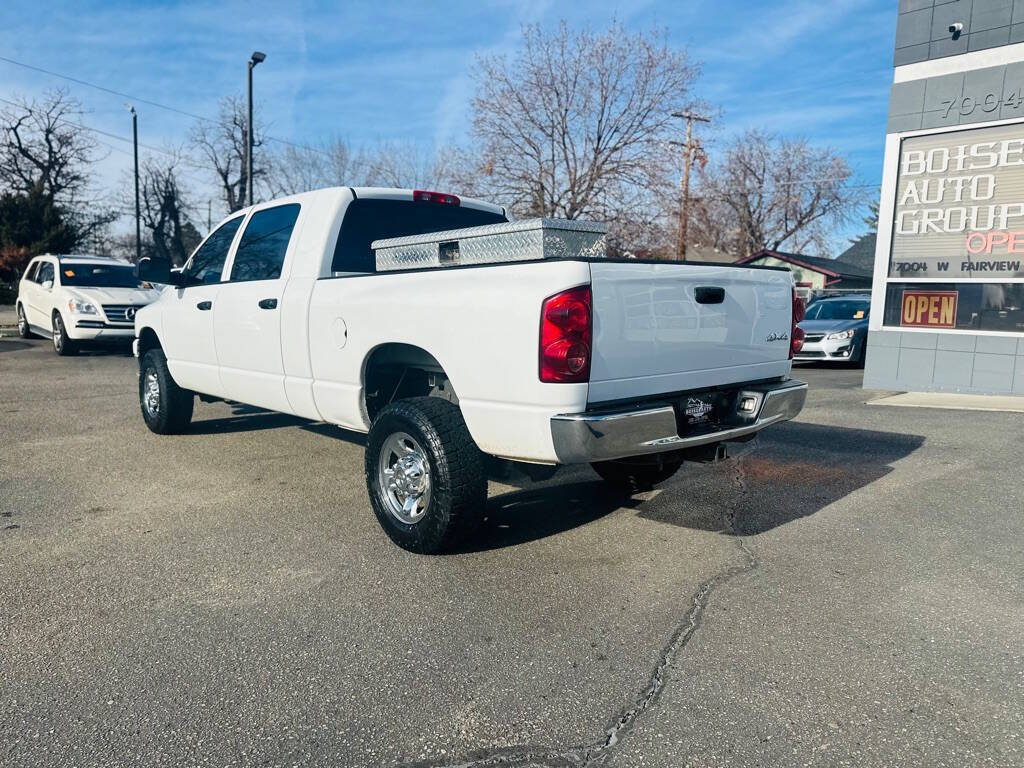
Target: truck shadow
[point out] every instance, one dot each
(791, 471)
(521, 516)
(249, 418)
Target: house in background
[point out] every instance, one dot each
(814, 273)
(861, 254)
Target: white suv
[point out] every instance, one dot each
(76, 299)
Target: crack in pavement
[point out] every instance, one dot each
(599, 751)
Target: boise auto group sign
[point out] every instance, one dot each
(960, 206)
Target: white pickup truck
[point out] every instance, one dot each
(633, 366)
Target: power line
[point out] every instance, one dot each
(150, 102)
(186, 160)
(84, 127)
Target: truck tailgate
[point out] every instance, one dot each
(672, 327)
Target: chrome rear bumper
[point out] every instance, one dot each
(606, 435)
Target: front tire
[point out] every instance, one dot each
(23, 329)
(862, 354)
(424, 474)
(166, 407)
(63, 345)
(628, 477)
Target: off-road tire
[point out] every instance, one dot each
(629, 477)
(458, 484)
(23, 329)
(174, 412)
(62, 344)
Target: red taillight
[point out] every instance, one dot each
(423, 196)
(565, 335)
(796, 335)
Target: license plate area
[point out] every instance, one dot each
(701, 412)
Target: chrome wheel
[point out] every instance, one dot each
(58, 333)
(403, 474)
(22, 322)
(151, 394)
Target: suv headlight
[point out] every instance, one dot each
(841, 335)
(79, 307)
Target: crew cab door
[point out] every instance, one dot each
(188, 336)
(247, 318)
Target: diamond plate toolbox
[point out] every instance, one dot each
(525, 240)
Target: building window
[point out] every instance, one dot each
(956, 306)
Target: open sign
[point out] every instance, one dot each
(929, 309)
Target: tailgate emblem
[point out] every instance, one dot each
(777, 337)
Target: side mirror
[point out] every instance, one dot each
(157, 270)
(47, 284)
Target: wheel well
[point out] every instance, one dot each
(398, 371)
(147, 340)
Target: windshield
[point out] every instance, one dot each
(838, 310)
(85, 275)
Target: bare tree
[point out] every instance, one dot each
(408, 165)
(44, 146)
(300, 169)
(45, 155)
(165, 210)
(767, 192)
(402, 164)
(222, 144)
(577, 124)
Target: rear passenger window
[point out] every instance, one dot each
(261, 252)
(30, 273)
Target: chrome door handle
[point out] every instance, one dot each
(204, 305)
(268, 303)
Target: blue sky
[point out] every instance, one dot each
(401, 70)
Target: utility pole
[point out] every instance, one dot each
(138, 215)
(689, 147)
(256, 58)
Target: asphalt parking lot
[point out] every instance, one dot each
(848, 590)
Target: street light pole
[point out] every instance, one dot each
(684, 212)
(138, 215)
(256, 58)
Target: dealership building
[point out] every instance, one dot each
(947, 311)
